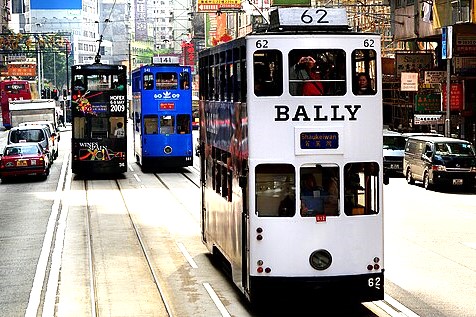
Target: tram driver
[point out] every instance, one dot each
(312, 202)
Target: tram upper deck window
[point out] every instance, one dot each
(166, 81)
(184, 80)
(275, 190)
(317, 72)
(319, 190)
(148, 79)
(364, 72)
(99, 82)
(361, 188)
(268, 73)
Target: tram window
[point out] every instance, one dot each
(167, 124)
(275, 190)
(116, 125)
(183, 124)
(148, 81)
(268, 73)
(151, 124)
(79, 127)
(317, 72)
(364, 72)
(99, 127)
(319, 190)
(79, 83)
(99, 82)
(184, 80)
(361, 188)
(166, 81)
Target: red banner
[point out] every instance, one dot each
(456, 96)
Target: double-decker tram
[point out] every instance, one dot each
(162, 103)
(99, 119)
(291, 157)
(12, 90)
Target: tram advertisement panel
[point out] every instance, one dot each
(98, 105)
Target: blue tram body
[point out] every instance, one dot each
(162, 105)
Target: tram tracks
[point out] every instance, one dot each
(101, 286)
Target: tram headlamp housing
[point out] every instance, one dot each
(320, 260)
(168, 149)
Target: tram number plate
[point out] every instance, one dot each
(321, 218)
(457, 181)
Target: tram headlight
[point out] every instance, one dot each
(320, 260)
(168, 149)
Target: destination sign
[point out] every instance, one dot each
(319, 140)
(308, 17)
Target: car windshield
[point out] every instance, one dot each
(464, 149)
(31, 135)
(394, 142)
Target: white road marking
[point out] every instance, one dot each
(216, 300)
(187, 255)
(40, 274)
(137, 178)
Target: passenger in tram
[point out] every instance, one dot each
(312, 196)
(364, 85)
(119, 132)
(312, 85)
(287, 206)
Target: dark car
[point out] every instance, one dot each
(21, 159)
(440, 162)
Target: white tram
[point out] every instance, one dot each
(291, 157)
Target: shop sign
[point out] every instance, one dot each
(427, 102)
(456, 96)
(411, 62)
(215, 5)
(465, 65)
(27, 70)
(434, 76)
(465, 43)
(422, 119)
(409, 82)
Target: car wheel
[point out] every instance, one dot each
(409, 177)
(426, 181)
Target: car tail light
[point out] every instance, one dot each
(438, 168)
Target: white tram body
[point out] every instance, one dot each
(258, 151)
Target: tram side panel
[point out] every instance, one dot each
(223, 166)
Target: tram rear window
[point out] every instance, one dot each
(275, 190)
(317, 72)
(166, 81)
(268, 73)
(361, 188)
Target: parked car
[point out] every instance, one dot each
(38, 134)
(20, 159)
(440, 162)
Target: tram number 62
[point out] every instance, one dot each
(374, 282)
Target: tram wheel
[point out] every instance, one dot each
(409, 177)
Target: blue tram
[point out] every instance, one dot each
(162, 106)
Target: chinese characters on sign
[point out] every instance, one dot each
(319, 140)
